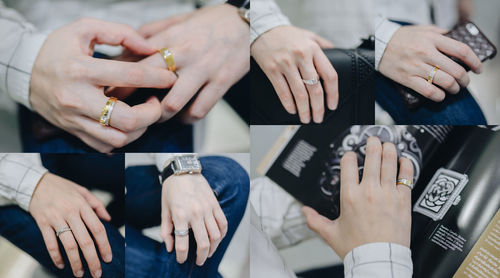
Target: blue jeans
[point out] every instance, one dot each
(458, 109)
(148, 258)
(92, 171)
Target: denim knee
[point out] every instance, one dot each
(229, 181)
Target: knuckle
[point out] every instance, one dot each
(284, 61)
(130, 122)
(74, 69)
(53, 249)
(86, 243)
(198, 113)
(299, 52)
(427, 92)
(301, 97)
(181, 248)
(215, 237)
(72, 247)
(67, 100)
(331, 76)
(173, 106)
(203, 245)
(460, 73)
(118, 141)
(463, 51)
(99, 228)
(448, 83)
(273, 67)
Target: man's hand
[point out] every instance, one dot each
(287, 55)
(189, 202)
(375, 210)
(211, 52)
(414, 51)
(67, 84)
(58, 203)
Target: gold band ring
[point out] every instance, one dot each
(432, 74)
(107, 110)
(406, 182)
(168, 56)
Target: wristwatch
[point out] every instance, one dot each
(243, 8)
(181, 165)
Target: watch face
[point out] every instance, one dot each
(187, 164)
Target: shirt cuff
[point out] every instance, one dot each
(380, 259)
(28, 185)
(384, 31)
(264, 16)
(21, 66)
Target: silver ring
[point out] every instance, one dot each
(405, 182)
(313, 81)
(181, 232)
(62, 230)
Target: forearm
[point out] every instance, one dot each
(264, 16)
(19, 176)
(379, 260)
(18, 51)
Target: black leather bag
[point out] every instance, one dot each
(356, 75)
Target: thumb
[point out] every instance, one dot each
(317, 222)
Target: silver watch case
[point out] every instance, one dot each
(186, 164)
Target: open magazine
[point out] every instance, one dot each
(456, 199)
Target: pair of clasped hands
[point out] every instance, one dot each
(69, 87)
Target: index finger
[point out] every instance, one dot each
(103, 32)
(128, 74)
(182, 91)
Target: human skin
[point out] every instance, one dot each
(57, 203)
(373, 210)
(287, 55)
(211, 52)
(188, 202)
(67, 84)
(414, 51)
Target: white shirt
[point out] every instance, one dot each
(19, 176)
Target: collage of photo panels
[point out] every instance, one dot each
(249, 138)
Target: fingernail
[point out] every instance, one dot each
(79, 273)
(108, 258)
(60, 266)
(306, 120)
(318, 120)
(98, 273)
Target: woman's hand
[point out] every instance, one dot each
(289, 55)
(414, 51)
(58, 203)
(373, 210)
(211, 52)
(67, 84)
(189, 202)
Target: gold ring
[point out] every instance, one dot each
(168, 56)
(406, 182)
(430, 78)
(107, 110)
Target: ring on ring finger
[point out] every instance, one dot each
(405, 182)
(181, 232)
(313, 81)
(432, 74)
